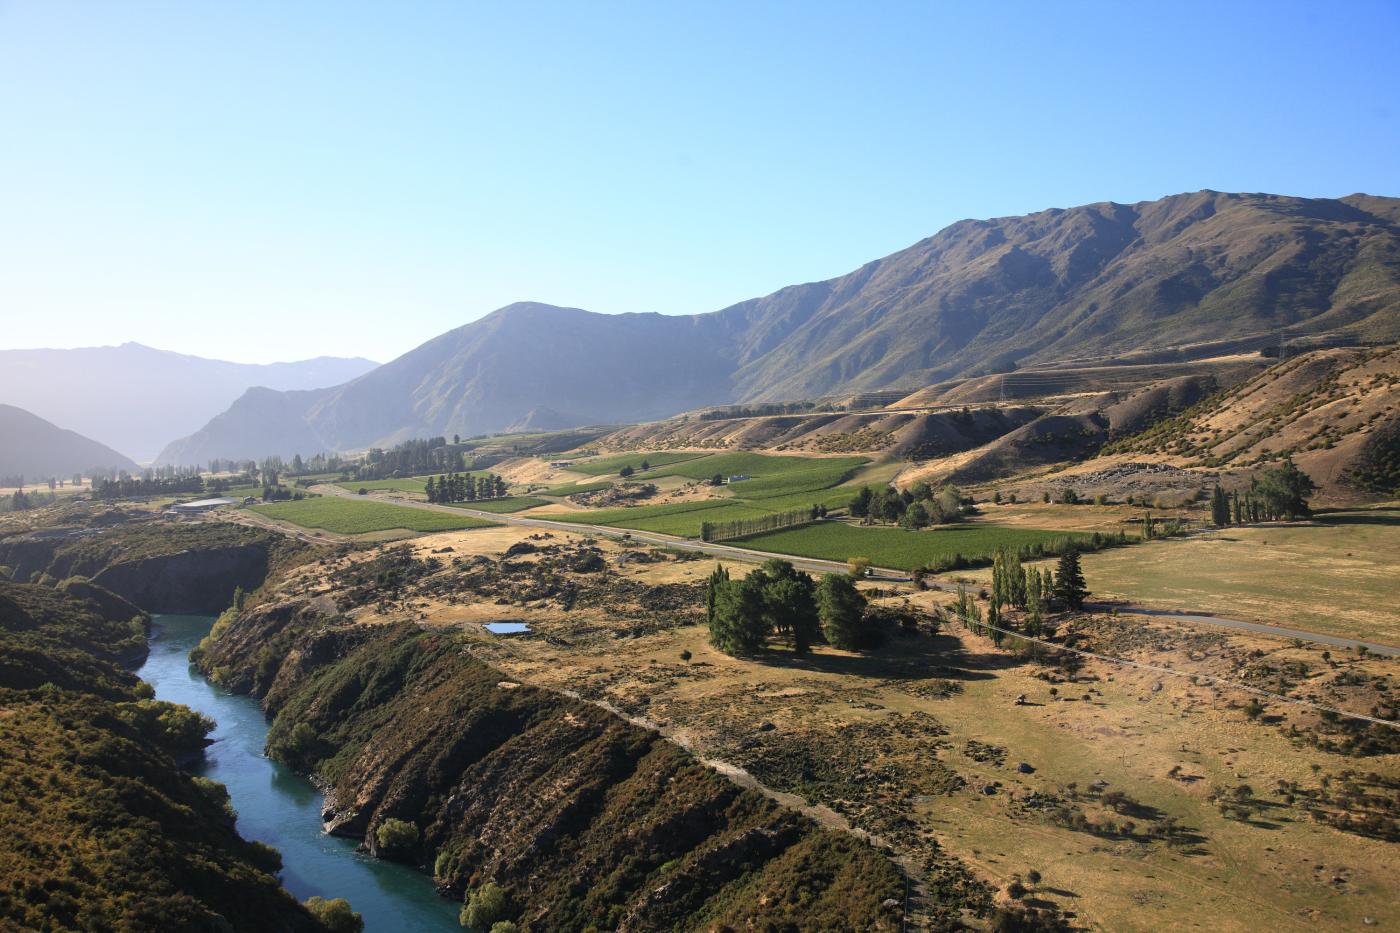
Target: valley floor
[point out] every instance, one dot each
(1223, 820)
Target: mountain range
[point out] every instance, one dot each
(1186, 276)
(37, 449)
(136, 398)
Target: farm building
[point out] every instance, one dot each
(201, 505)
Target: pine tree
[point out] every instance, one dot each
(1015, 580)
(1235, 501)
(738, 624)
(1069, 581)
(430, 488)
(841, 608)
(718, 577)
(789, 597)
(1219, 507)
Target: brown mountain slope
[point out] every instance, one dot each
(1187, 276)
(1330, 410)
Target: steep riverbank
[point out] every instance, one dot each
(584, 820)
(103, 830)
(158, 565)
(279, 807)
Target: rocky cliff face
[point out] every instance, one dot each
(200, 582)
(159, 566)
(586, 820)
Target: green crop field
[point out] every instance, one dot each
(568, 489)
(360, 516)
(509, 504)
(612, 464)
(896, 547)
(414, 485)
(778, 484)
(682, 518)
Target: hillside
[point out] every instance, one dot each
(136, 398)
(1186, 277)
(35, 449)
(104, 831)
(1335, 412)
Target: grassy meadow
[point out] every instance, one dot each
(359, 516)
(1338, 574)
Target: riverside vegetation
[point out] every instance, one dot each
(103, 829)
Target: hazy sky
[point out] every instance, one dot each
(264, 181)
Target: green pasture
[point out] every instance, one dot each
(508, 504)
(900, 548)
(361, 516)
(601, 466)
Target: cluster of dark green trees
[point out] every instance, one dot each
(1026, 589)
(464, 487)
(916, 507)
(124, 486)
(743, 527)
(779, 601)
(1274, 495)
(22, 501)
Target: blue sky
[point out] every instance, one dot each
(263, 181)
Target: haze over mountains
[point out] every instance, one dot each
(136, 398)
(36, 449)
(1208, 272)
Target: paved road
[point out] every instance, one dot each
(733, 552)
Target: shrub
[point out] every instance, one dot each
(396, 835)
(485, 907)
(217, 793)
(299, 748)
(335, 915)
(176, 728)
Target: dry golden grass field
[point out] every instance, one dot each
(905, 741)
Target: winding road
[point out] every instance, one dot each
(813, 565)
